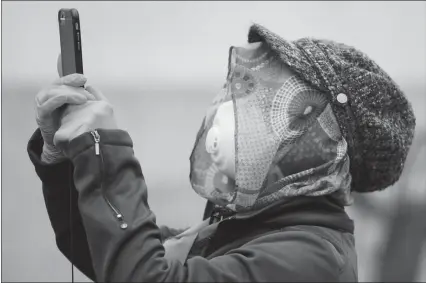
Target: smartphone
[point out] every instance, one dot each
(70, 36)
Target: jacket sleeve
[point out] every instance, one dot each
(56, 183)
(126, 243)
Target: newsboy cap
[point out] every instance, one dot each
(373, 113)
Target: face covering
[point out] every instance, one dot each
(267, 136)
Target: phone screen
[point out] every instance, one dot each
(70, 36)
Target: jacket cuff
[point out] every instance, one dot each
(87, 141)
(51, 173)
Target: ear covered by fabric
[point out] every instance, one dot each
(268, 135)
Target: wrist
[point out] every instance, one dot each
(51, 154)
(86, 141)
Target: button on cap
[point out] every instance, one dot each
(342, 98)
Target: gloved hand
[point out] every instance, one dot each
(78, 119)
(48, 106)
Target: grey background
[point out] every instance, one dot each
(160, 64)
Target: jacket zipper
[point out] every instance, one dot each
(216, 216)
(117, 213)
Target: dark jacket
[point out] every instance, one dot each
(116, 238)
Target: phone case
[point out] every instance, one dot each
(70, 37)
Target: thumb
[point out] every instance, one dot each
(59, 65)
(66, 133)
(60, 139)
(76, 80)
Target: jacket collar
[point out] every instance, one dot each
(317, 211)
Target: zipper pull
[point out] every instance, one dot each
(97, 138)
(123, 224)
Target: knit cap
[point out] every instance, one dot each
(373, 114)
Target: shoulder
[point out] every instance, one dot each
(299, 253)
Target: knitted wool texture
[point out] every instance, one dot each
(377, 120)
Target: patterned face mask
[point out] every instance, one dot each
(267, 136)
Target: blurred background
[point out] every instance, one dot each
(160, 64)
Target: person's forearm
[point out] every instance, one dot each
(114, 207)
(51, 154)
(70, 239)
(57, 182)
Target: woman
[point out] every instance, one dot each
(296, 128)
